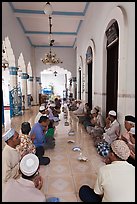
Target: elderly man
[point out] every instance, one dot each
(115, 181)
(112, 131)
(42, 112)
(131, 145)
(10, 156)
(128, 123)
(27, 187)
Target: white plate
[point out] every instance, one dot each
(76, 149)
(82, 158)
(71, 141)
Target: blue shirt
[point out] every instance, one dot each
(37, 130)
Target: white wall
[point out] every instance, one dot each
(97, 19)
(67, 55)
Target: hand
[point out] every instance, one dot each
(124, 138)
(38, 182)
(107, 122)
(132, 154)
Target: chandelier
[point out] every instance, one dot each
(50, 58)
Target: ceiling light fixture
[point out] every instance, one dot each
(50, 58)
(55, 73)
(48, 9)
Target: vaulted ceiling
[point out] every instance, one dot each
(67, 18)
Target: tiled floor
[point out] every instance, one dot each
(65, 173)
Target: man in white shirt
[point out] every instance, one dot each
(115, 181)
(10, 156)
(27, 187)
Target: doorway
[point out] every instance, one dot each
(89, 60)
(112, 67)
(79, 83)
(90, 85)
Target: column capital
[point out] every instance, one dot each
(13, 70)
(24, 76)
(30, 78)
(37, 79)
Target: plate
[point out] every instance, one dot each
(82, 158)
(71, 133)
(76, 149)
(71, 141)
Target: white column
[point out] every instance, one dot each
(24, 78)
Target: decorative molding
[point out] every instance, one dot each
(126, 95)
(97, 93)
(119, 95)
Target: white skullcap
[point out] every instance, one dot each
(112, 112)
(42, 108)
(97, 108)
(93, 111)
(52, 105)
(121, 149)
(132, 131)
(29, 164)
(8, 134)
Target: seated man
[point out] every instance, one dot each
(42, 111)
(128, 123)
(38, 130)
(10, 156)
(131, 145)
(86, 114)
(72, 105)
(27, 187)
(51, 116)
(49, 136)
(112, 131)
(112, 183)
(98, 122)
(26, 145)
(80, 109)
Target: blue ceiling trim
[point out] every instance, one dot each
(29, 41)
(86, 7)
(21, 24)
(47, 33)
(74, 43)
(12, 7)
(54, 12)
(53, 47)
(80, 22)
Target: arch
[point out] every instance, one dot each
(9, 52)
(49, 79)
(21, 63)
